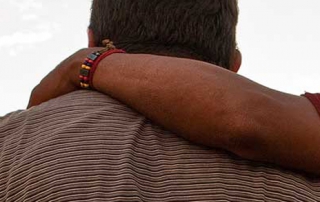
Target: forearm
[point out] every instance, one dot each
(214, 107)
(185, 96)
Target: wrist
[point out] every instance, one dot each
(74, 64)
(107, 72)
(91, 64)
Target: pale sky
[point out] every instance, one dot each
(279, 40)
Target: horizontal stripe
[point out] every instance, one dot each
(86, 146)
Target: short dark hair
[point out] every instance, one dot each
(199, 29)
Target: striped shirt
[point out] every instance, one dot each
(86, 146)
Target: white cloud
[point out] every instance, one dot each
(29, 17)
(13, 53)
(25, 5)
(20, 38)
(15, 50)
(48, 26)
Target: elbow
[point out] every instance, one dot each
(248, 136)
(244, 140)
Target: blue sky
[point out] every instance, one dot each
(279, 41)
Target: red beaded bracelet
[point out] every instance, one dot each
(90, 65)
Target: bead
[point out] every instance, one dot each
(88, 61)
(88, 64)
(85, 78)
(84, 85)
(84, 72)
(93, 56)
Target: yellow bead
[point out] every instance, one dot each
(86, 67)
(84, 85)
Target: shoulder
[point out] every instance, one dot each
(78, 106)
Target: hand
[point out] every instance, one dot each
(62, 80)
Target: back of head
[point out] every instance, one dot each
(199, 29)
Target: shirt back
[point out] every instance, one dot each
(86, 146)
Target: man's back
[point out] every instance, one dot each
(86, 146)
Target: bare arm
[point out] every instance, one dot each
(214, 107)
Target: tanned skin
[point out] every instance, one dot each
(203, 103)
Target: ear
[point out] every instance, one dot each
(91, 41)
(237, 61)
